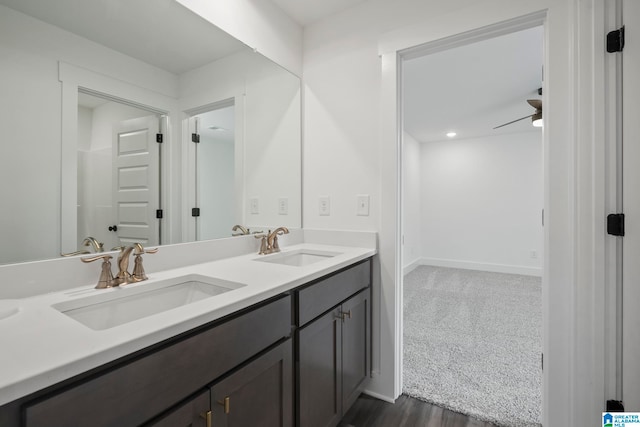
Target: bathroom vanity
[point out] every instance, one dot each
(287, 344)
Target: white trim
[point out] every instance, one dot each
(480, 266)
(612, 105)
(560, 214)
(379, 396)
(520, 23)
(411, 266)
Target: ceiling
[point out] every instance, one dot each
(218, 124)
(166, 34)
(468, 89)
(306, 12)
(473, 88)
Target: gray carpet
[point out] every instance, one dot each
(472, 343)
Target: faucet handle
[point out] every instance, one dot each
(138, 249)
(243, 230)
(106, 276)
(264, 248)
(138, 274)
(68, 254)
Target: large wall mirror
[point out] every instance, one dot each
(138, 122)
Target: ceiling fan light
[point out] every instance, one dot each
(536, 119)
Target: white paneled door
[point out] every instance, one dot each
(631, 201)
(136, 181)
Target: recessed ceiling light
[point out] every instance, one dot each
(451, 134)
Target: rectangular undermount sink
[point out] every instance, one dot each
(124, 305)
(298, 257)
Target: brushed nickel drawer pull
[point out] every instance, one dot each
(346, 314)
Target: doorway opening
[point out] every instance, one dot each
(118, 172)
(215, 171)
(472, 203)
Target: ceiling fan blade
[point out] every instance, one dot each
(535, 103)
(517, 120)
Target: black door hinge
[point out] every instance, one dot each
(615, 406)
(615, 40)
(195, 138)
(159, 138)
(159, 213)
(615, 224)
(195, 212)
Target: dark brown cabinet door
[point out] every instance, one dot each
(139, 390)
(356, 346)
(319, 378)
(335, 360)
(193, 413)
(258, 394)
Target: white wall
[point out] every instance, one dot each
(412, 222)
(349, 71)
(29, 54)
(261, 25)
(272, 148)
(268, 101)
(481, 203)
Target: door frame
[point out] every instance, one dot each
(453, 42)
(576, 262)
(73, 80)
(189, 190)
(630, 134)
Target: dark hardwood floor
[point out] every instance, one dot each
(406, 412)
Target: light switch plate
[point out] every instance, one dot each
(324, 205)
(363, 204)
(283, 206)
(255, 205)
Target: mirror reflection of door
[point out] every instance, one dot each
(214, 169)
(136, 181)
(118, 173)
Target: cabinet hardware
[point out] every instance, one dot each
(207, 417)
(346, 315)
(225, 403)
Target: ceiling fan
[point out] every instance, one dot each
(536, 118)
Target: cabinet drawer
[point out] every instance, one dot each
(140, 389)
(327, 293)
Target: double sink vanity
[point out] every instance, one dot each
(271, 340)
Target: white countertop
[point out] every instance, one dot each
(42, 346)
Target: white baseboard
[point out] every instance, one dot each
(470, 265)
(411, 266)
(379, 396)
